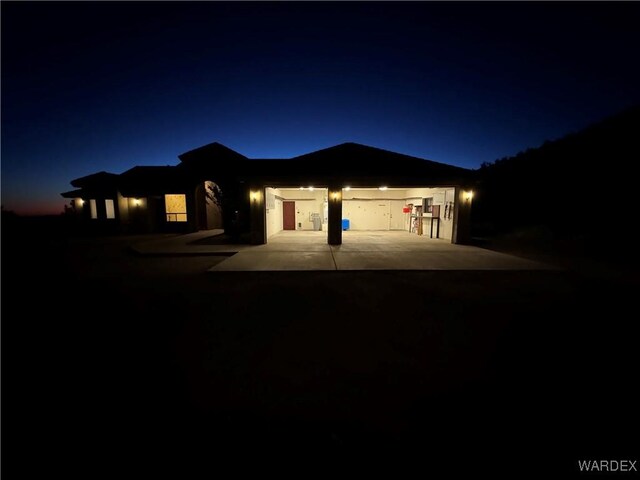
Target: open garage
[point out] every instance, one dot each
(420, 211)
(296, 209)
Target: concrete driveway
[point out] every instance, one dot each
(308, 250)
(382, 250)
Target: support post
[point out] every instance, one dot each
(462, 216)
(257, 215)
(335, 215)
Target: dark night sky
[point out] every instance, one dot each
(106, 86)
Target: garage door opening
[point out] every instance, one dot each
(414, 213)
(297, 214)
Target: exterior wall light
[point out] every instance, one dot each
(136, 202)
(468, 195)
(254, 196)
(334, 195)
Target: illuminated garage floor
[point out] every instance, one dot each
(368, 250)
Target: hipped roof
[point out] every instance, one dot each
(147, 180)
(350, 162)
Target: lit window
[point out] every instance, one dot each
(111, 212)
(93, 209)
(175, 207)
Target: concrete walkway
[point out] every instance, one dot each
(179, 245)
(396, 250)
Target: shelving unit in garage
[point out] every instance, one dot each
(434, 215)
(416, 224)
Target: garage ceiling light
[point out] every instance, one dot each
(347, 188)
(311, 189)
(382, 188)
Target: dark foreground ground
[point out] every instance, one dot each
(134, 367)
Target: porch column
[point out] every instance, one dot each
(335, 216)
(462, 216)
(191, 197)
(257, 215)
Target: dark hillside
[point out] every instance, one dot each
(579, 187)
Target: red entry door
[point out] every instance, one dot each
(288, 215)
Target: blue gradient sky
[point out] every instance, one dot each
(106, 86)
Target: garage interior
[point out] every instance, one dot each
(296, 209)
(427, 212)
(421, 211)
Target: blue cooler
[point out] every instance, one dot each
(345, 224)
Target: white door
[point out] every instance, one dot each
(379, 211)
(396, 217)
